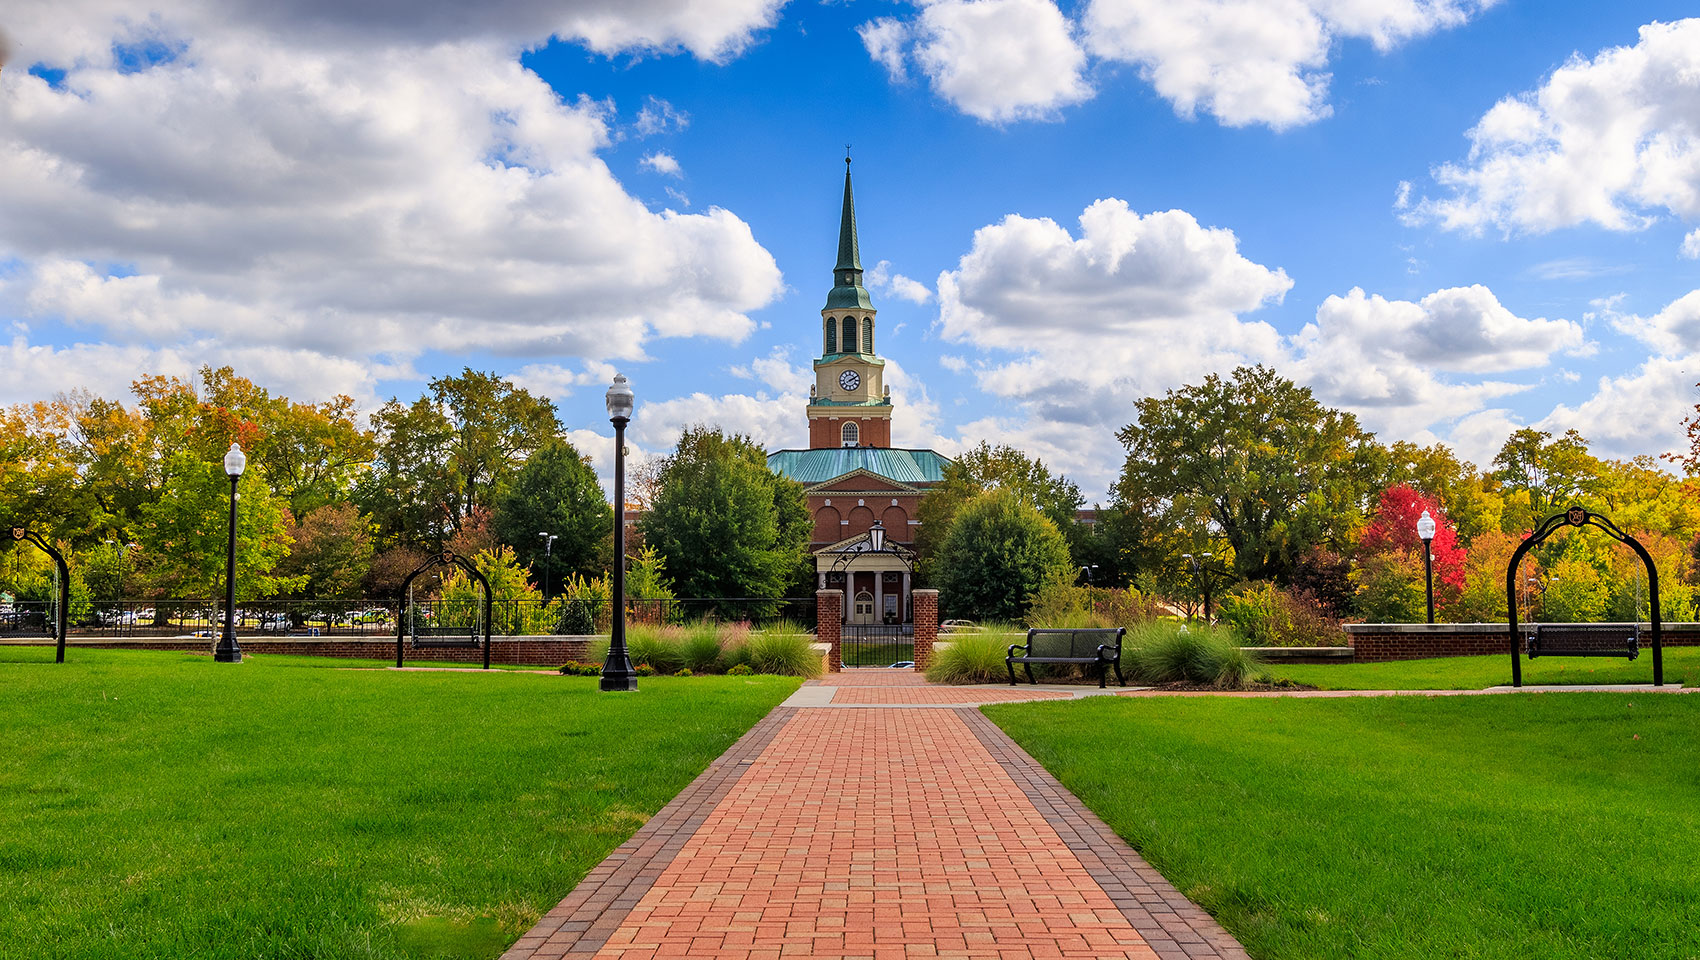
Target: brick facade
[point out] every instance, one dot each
(1380, 642)
(828, 431)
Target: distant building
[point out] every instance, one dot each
(853, 477)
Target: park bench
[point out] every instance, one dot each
(435, 636)
(1583, 640)
(1099, 647)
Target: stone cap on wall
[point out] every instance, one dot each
(1355, 628)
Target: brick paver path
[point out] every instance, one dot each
(912, 828)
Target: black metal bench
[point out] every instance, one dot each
(445, 636)
(1099, 647)
(1583, 640)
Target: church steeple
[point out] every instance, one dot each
(847, 289)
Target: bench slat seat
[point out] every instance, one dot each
(1097, 647)
(445, 637)
(1583, 640)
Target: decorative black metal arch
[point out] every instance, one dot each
(62, 608)
(448, 558)
(1579, 517)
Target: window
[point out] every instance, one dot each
(851, 435)
(831, 335)
(867, 334)
(849, 345)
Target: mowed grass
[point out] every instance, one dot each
(1682, 665)
(161, 805)
(1534, 825)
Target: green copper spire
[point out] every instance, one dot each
(849, 257)
(847, 290)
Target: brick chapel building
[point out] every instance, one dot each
(854, 479)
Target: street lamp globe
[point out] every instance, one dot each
(235, 461)
(619, 399)
(1425, 526)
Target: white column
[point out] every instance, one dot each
(822, 575)
(879, 596)
(903, 601)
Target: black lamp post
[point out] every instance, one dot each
(227, 651)
(548, 552)
(617, 672)
(123, 552)
(1425, 531)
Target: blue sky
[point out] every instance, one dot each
(1454, 217)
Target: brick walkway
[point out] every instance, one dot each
(873, 824)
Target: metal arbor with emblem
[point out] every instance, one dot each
(872, 636)
(1583, 639)
(407, 619)
(61, 586)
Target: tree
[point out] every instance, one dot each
(497, 426)
(1690, 459)
(986, 467)
(1542, 475)
(999, 553)
(184, 533)
(556, 492)
(726, 525)
(1469, 497)
(331, 553)
(1390, 562)
(1254, 462)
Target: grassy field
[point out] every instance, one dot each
(1540, 825)
(162, 805)
(1682, 665)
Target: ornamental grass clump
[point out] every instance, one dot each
(971, 658)
(1163, 652)
(703, 647)
(789, 655)
(660, 647)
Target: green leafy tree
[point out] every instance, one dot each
(999, 554)
(556, 492)
(725, 524)
(407, 491)
(497, 427)
(1542, 476)
(986, 467)
(1469, 497)
(183, 533)
(1255, 462)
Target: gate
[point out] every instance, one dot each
(877, 644)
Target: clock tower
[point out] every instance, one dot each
(849, 405)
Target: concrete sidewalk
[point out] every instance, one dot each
(879, 816)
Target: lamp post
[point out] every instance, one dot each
(548, 552)
(617, 672)
(123, 552)
(235, 461)
(1425, 532)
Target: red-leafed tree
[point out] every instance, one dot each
(1390, 568)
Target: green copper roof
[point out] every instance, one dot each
(847, 289)
(818, 466)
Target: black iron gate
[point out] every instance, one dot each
(877, 644)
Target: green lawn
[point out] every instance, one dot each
(162, 805)
(1538, 825)
(1682, 665)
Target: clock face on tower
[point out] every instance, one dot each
(849, 380)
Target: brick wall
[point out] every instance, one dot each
(1379, 642)
(926, 609)
(829, 618)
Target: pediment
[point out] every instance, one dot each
(860, 479)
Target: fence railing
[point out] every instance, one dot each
(378, 618)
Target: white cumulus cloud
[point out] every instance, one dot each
(881, 279)
(663, 163)
(1613, 141)
(995, 60)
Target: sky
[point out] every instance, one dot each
(1452, 217)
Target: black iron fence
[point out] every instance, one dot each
(375, 618)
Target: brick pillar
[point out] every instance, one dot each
(829, 623)
(926, 604)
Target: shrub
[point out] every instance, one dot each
(1267, 616)
(683, 673)
(644, 670)
(790, 655)
(577, 618)
(573, 668)
(998, 553)
(739, 670)
(971, 658)
(1163, 652)
(1063, 605)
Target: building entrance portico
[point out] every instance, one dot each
(876, 582)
